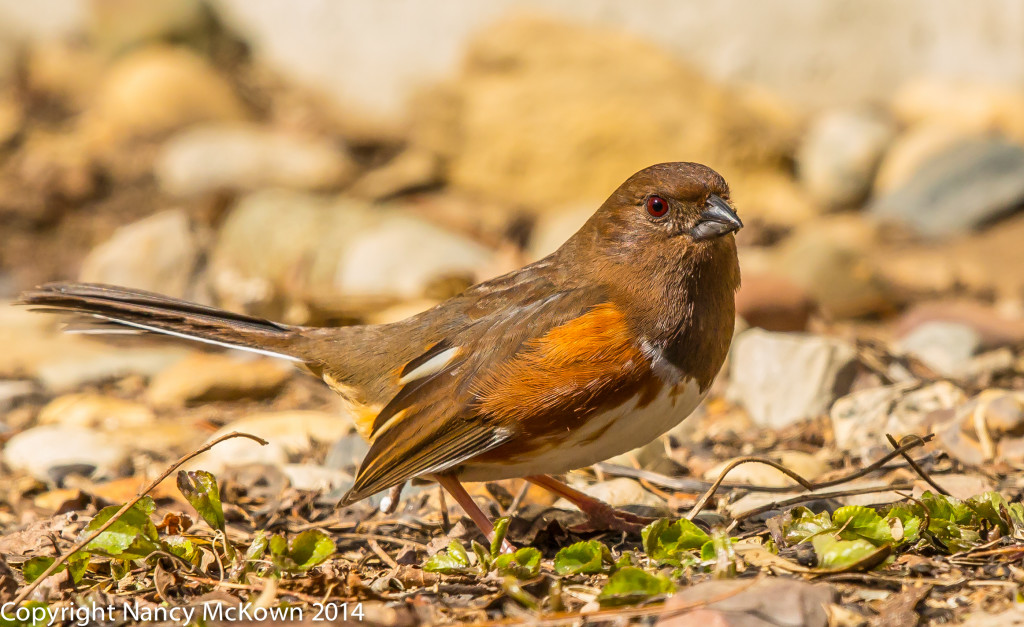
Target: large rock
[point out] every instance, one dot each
(210, 377)
(945, 347)
(160, 89)
(970, 183)
(50, 452)
(909, 150)
(247, 157)
(781, 378)
(837, 158)
(549, 112)
(159, 253)
(95, 411)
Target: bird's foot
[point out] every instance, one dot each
(603, 517)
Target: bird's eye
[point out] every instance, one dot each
(657, 206)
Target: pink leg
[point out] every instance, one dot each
(466, 502)
(602, 515)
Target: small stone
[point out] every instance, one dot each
(411, 170)
(773, 303)
(247, 157)
(160, 89)
(837, 159)
(969, 184)
(769, 602)
(50, 452)
(618, 492)
(781, 378)
(95, 411)
(909, 151)
(945, 347)
(1002, 412)
(159, 253)
(290, 435)
(209, 377)
(316, 478)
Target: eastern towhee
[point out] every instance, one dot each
(594, 350)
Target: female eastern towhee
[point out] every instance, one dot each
(592, 351)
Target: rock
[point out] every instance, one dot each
(553, 228)
(773, 303)
(116, 25)
(347, 453)
(542, 115)
(837, 158)
(316, 478)
(991, 325)
(159, 253)
(290, 434)
(971, 183)
(990, 426)
(247, 157)
(50, 452)
(204, 377)
(829, 260)
(12, 392)
(958, 485)
(11, 120)
(618, 492)
(909, 151)
(773, 198)
(807, 466)
(160, 89)
(860, 420)
(769, 602)
(95, 411)
(972, 107)
(411, 170)
(65, 71)
(945, 347)
(781, 378)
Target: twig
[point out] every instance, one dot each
(308, 598)
(917, 467)
(384, 557)
(18, 600)
(518, 499)
(809, 496)
(372, 536)
(703, 500)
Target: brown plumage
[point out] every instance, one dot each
(630, 320)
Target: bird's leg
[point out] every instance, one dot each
(601, 515)
(389, 504)
(466, 502)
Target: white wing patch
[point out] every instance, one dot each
(435, 364)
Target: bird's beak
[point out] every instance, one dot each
(717, 219)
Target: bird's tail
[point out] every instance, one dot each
(146, 311)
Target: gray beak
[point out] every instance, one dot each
(716, 220)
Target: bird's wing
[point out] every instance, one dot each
(504, 360)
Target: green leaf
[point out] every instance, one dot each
(36, 566)
(131, 536)
(909, 521)
(180, 546)
(582, 557)
(523, 564)
(200, 489)
(500, 529)
(309, 548)
(668, 542)
(858, 522)
(803, 524)
(451, 562)
(946, 508)
(631, 585)
(990, 507)
(483, 556)
(836, 554)
(257, 548)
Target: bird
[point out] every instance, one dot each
(598, 348)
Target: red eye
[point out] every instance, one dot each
(657, 206)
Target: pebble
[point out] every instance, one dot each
(970, 183)
(159, 253)
(95, 411)
(781, 378)
(618, 492)
(50, 452)
(945, 347)
(313, 477)
(413, 169)
(206, 377)
(912, 148)
(244, 157)
(837, 158)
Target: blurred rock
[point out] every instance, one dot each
(12, 392)
(993, 328)
(945, 347)
(860, 420)
(160, 89)
(553, 228)
(314, 477)
(411, 170)
(912, 148)
(969, 106)
(290, 435)
(807, 466)
(988, 427)
(95, 411)
(159, 253)
(11, 119)
(772, 197)
(618, 492)
(770, 602)
(970, 183)
(204, 377)
(64, 71)
(837, 158)
(119, 24)
(829, 259)
(781, 378)
(549, 112)
(51, 452)
(247, 157)
(347, 453)
(773, 303)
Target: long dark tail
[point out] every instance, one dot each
(147, 311)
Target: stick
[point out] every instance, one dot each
(917, 467)
(124, 508)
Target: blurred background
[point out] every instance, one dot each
(340, 161)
